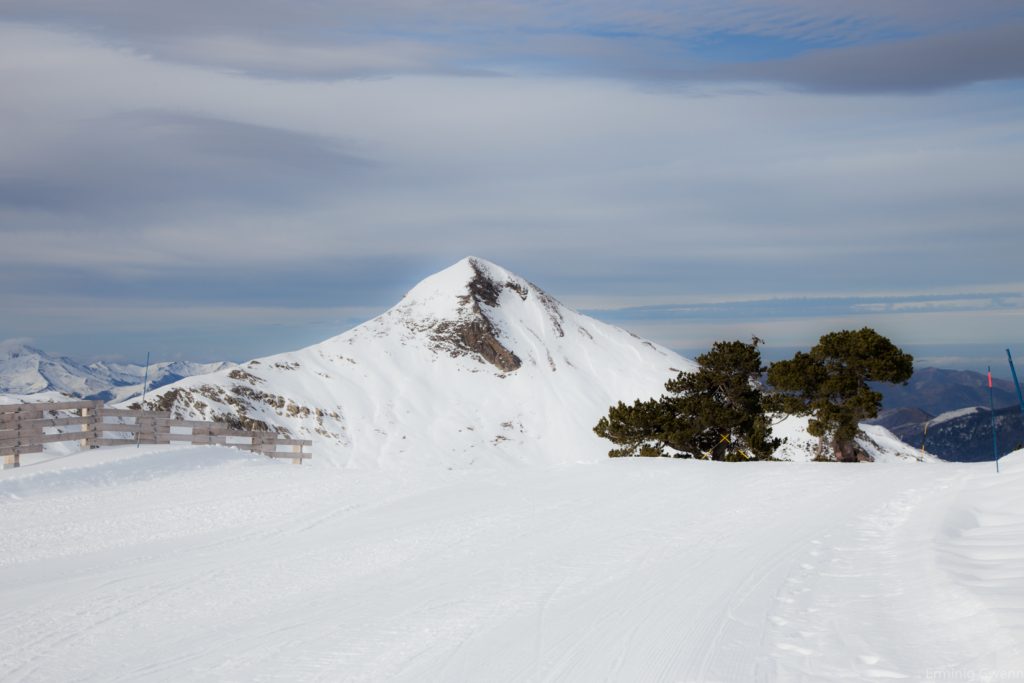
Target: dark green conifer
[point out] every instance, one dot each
(830, 383)
(638, 429)
(716, 412)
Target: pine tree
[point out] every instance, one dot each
(830, 383)
(638, 429)
(716, 412)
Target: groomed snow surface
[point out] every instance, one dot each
(175, 564)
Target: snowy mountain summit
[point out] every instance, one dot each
(25, 369)
(474, 366)
(481, 311)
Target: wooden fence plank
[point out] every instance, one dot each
(30, 432)
(293, 442)
(171, 422)
(126, 412)
(49, 422)
(65, 405)
(44, 438)
(107, 427)
(5, 450)
(200, 439)
(107, 441)
(281, 453)
(7, 419)
(13, 422)
(14, 418)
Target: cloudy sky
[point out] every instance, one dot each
(224, 179)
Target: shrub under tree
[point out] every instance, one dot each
(716, 412)
(830, 383)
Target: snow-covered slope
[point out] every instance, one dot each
(955, 415)
(27, 370)
(41, 397)
(211, 564)
(874, 440)
(473, 365)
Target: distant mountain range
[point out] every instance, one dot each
(947, 411)
(937, 391)
(28, 370)
(960, 435)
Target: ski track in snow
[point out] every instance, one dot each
(209, 564)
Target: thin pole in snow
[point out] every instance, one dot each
(145, 386)
(992, 412)
(1013, 371)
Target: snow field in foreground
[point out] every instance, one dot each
(169, 563)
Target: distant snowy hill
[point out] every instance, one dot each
(41, 397)
(877, 441)
(950, 414)
(160, 374)
(965, 435)
(25, 370)
(474, 365)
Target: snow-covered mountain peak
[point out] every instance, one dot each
(25, 369)
(469, 277)
(469, 287)
(479, 310)
(16, 347)
(473, 363)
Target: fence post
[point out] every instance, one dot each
(296, 448)
(11, 460)
(201, 434)
(147, 429)
(29, 431)
(87, 428)
(161, 428)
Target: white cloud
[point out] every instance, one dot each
(606, 190)
(249, 54)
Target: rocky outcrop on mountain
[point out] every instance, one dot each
(473, 332)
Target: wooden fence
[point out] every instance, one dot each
(23, 429)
